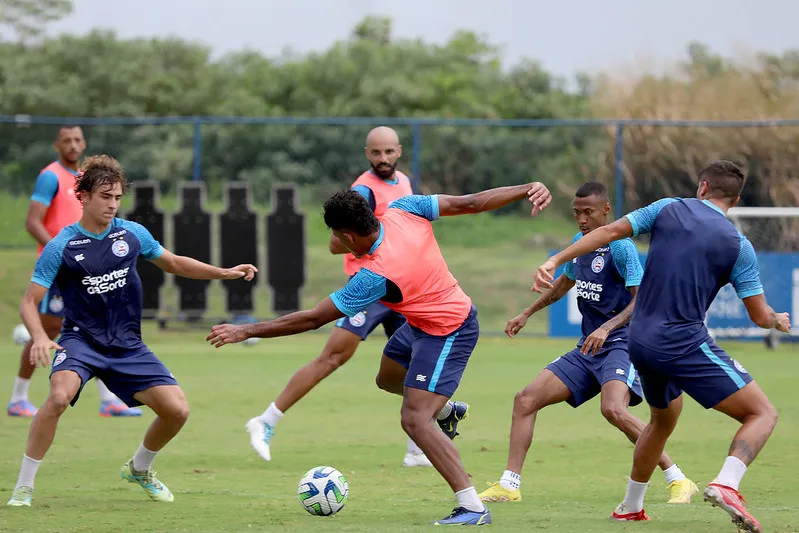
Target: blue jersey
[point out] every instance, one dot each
(693, 253)
(602, 279)
(98, 280)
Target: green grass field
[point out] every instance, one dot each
(575, 474)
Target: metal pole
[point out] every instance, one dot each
(416, 156)
(619, 172)
(198, 151)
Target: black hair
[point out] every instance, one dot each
(725, 179)
(99, 170)
(349, 210)
(592, 188)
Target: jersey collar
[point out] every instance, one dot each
(379, 240)
(713, 206)
(97, 236)
(389, 182)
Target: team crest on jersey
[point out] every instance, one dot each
(120, 248)
(598, 264)
(59, 358)
(739, 366)
(56, 304)
(358, 320)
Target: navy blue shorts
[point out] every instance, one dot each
(366, 321)
(124, 371)
(707, 374)
(434, 363)
(584, 375)
(52, 303)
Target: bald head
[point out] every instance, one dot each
(383, 150)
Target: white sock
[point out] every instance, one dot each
(272, 415)
(673, 473)
(413, 448)
(27, 472)
(634, 499)
(20, 391)
(510, 480)
(469, 500)
(105, 394)
(445, 411)
(143, 459)
(731, 473)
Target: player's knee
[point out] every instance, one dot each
(333, 359)
(59, 400)
(385, 383)
(770, 414)
(413, 421)
(614, 413)
(525, 402)
(178, 413)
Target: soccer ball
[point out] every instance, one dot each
(323, 491)
(21, 335)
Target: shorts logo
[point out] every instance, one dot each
(619, 371)
(120, 248)
(598, 264)
(739, 367)
(420, 377)
(59, 358)
(358, 320)
(56, 304)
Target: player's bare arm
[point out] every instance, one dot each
(559, 289)
(34, 222)
(537, 193)
(594, 342)
(29, 311)
(603, 236)
(291, 324)
(188, 267)
(764, 316)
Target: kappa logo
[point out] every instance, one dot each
(120, 248)
(598, 264)
(358, 320)
(59, 358)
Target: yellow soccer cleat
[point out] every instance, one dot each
(682, 490)
(497, 493)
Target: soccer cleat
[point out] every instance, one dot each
(260, 435)
(416, 459)
(117, 408)
(465, 517)
(156, 490)
(449, 425)
(731, 501)
(22, 408)
(622, 515)
(497, 493)
(682, 490)
(21, 497)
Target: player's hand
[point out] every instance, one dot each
(539, 196)
(227, 334)
(544, 277)
(595, 341)
(40, 351)
(516, 324)
(240, 271)
(783, 322)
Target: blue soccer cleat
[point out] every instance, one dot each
(117, 408)
(22, 408)
(449, 425)
(465, 517)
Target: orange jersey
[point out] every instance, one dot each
(382, 194)
(64, 207)
(407, 273)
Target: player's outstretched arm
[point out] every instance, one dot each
(745, 278)
(29, 311)
(188, 267)
(290, 324)
(603, 236)
(764, 316)
(492, 199)
(559, 289)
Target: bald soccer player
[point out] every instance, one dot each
(380, 185)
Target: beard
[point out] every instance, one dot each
(384, 170)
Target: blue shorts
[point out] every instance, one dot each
(707, 374)
(585, 375)
(434, 363)
(52, 303)
(124, 371)
(366, 321)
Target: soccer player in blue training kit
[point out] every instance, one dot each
(94, 263)
(380, 185)
(695, 251)
(607, 281)
(402, 266)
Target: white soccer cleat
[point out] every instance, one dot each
(260, 435)
(416, 459)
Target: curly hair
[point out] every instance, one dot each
(725, 179)
(348, 210)
(99, 170)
